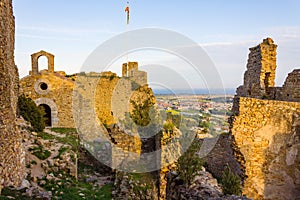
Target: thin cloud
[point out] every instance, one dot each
(32, 36)
(64, 30)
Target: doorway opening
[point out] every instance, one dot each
(47, 116)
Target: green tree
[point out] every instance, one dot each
(189, 164)
(140, 113)
(231, 183)
(31, 113)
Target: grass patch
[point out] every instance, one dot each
(71, 137)
(71, 140)
(13, 193)
(173, 112)
(75, 190)
(45, 136)
(64, 130)
(40, 152)
(105, 191)
(61, 151)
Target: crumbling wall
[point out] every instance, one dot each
(265, 127)
(266, 133)
(12, 158)
(291, 87)
(261, 69)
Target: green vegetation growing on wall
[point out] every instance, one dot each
(140, 113)
(189, 164)
(231, 183)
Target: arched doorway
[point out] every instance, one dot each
(52, 110)
(47, 116)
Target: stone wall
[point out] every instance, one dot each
(265, 128)
(291, 87)
(54, 90)
(261, 68)
(12, 156)
(266, 133)
(259, 78)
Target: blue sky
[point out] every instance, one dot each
(72, 29)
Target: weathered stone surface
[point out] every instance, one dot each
(291, 87)
(259, 79)
(52, 89)
(222, 155)
(135, 186)
(265, 133)
(12, 158)
(204, 187)
(104, 93)
(261, 67)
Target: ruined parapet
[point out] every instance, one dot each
(132, 66)
(132, 71)
(291, 87)
(127, 68)
(261, 68)
(139, 77)
(124, 70)
(12, 156)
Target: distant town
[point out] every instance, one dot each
(207, 114)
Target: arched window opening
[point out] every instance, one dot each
(42, 63)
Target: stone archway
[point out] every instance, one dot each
(53, 113)
(35, 61)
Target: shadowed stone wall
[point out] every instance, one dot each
(12, 154)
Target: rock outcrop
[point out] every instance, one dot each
(204, 187)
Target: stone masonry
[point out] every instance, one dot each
(265, 126)
(259, 79)
(50, 89)
(12, 154)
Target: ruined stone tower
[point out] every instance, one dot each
(261, 69)
(12, 158)
(259, 78)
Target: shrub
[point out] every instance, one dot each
(40, 153)
(140, 113)
(169, 126)
(189, 164)
(31, 113)
(231, 183)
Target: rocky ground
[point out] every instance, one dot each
(203, 187)
(58, 168)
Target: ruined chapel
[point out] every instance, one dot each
(53, 90)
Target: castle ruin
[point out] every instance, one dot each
(259, 79)
(266, 128)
